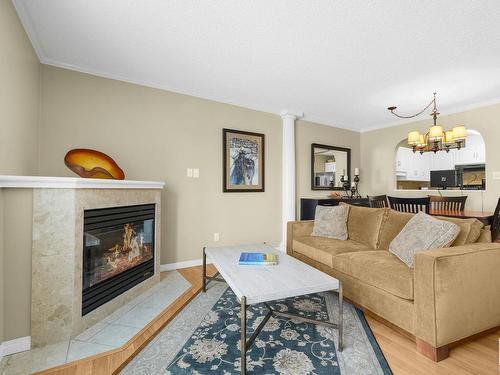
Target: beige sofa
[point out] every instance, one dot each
(450, 294)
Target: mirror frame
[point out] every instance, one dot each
(335, 148)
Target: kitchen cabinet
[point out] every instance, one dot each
(473, 152)
(402, 159)
(412, 166)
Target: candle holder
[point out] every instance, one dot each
(350, 191)
(345, 185)
(355, 193)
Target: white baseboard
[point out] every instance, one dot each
(20, 344)
(178, 265)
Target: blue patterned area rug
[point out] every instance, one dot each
(204, 339)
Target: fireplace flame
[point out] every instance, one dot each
(122, 256)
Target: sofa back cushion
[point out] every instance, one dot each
(470, 229)
(363, 225)
(485, 235)
(394, 222)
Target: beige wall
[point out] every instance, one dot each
(19, 113)
(308, 133)
(19, 96)
(157, 135)
(18, 207)
(378, 150)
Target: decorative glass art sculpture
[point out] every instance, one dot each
(93, 164)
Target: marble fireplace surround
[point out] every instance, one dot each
(57, 249)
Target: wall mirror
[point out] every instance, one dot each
(455, 169)
(328, 165)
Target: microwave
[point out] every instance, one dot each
(471, 176)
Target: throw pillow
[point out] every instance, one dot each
(331, 222)
(421, 233)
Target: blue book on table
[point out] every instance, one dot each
(265, 259)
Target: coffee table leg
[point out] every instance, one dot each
(341, 316)
(243, 339)
(204, 280)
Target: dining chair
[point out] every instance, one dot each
(412, 205)
(495, 225)
(378, 201)
(448, 203)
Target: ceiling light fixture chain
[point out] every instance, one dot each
(433, 101)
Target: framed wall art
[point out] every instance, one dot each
(243, 161)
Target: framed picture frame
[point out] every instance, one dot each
(243, 163)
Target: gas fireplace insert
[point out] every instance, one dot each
(118, 252)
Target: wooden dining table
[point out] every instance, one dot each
(483, 216)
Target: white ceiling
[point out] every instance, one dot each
(341, 62)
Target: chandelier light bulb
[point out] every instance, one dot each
(448, 137)
(436, 133)
(422, 143)
(414, 138)
(459, 133)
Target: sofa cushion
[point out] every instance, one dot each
(380, 269)
(363, 225)
(322, 249)
(485, 235)
(393, 223)
(331, 222)
(470, 229)
(423, 232)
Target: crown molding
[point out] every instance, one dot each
(153, 85)
(27, 23)
(98, 73)
(299, 115)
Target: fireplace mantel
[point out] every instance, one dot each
(75, 183)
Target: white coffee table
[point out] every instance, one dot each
(262, 284)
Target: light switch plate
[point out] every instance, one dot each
(496, 175)
(216, 237)
(190, 172)
(196, 172)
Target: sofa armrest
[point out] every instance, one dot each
(457, 292)
(297, 229)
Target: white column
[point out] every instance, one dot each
(288, 181)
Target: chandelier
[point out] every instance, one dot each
(436, 139)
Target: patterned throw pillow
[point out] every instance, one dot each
(331, 222)
(421, 233)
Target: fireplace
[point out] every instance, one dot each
(118, 252)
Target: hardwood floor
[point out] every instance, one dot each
(476, 357)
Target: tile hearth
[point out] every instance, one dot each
(110, 333)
